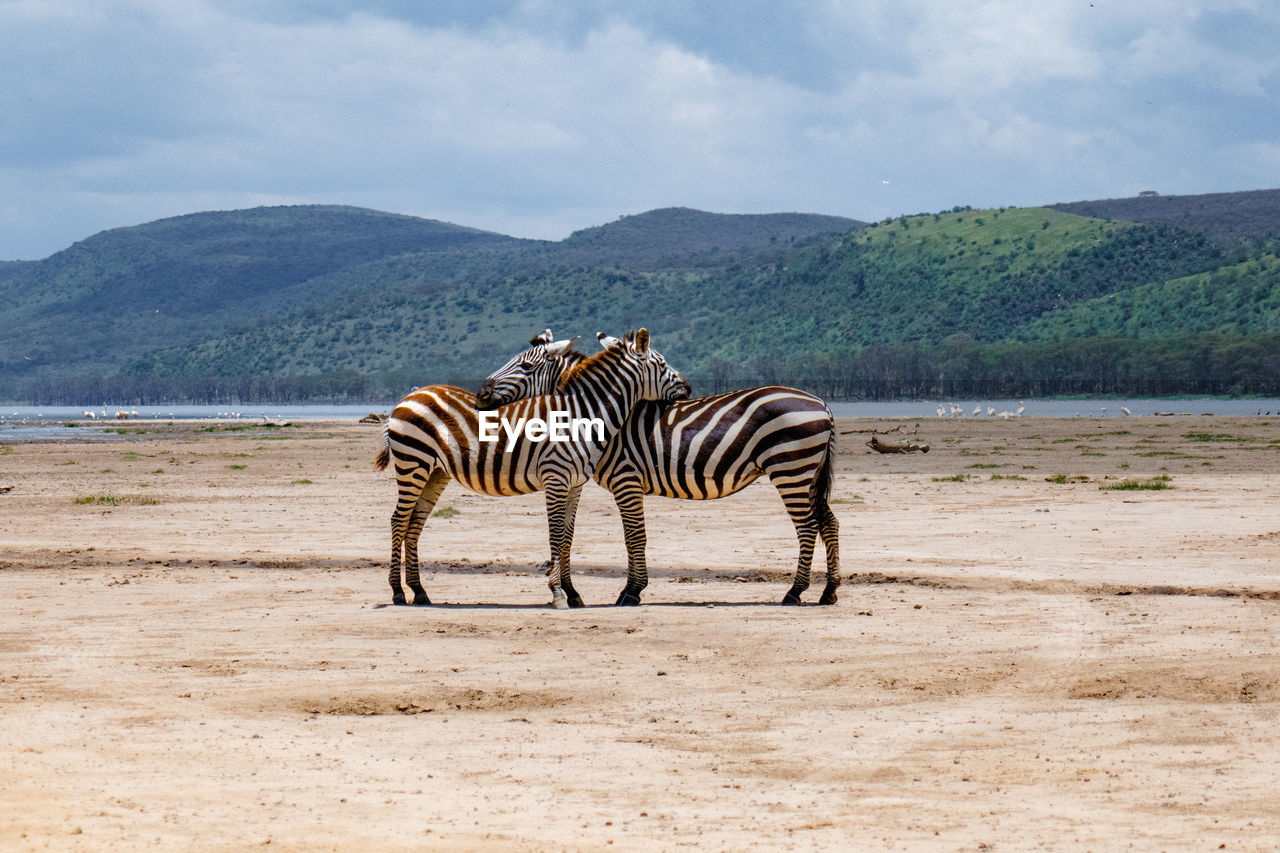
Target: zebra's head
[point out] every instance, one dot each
(658, 380)
(531, 373)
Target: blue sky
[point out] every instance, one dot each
(538, 118)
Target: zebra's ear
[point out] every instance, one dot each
(606, 341)
(642, 341)
(544, 338)
(560, 347)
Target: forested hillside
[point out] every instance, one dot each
(89, 309)
(1227, 217)
(339, 303)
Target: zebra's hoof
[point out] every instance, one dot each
(575, 601)
(628, 599)
(420, 600)
(791, 598)
(828, 597)
(559, 601)
(397, 598)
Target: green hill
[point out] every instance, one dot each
(679, 236)
(125, 292)
(983, 275)
(1238, 299)
(1227, 217)
(329, 302)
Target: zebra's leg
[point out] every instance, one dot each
(557, 496)
(630, 500)
(421, 512)
(409, 483)
(566, 545)
(801, 510)
(829, 528)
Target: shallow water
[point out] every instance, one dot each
(27, 423)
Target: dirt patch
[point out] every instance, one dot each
(444, 700)
(1018, 659)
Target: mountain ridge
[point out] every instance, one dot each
(328, 300)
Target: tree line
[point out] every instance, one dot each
(957, 367)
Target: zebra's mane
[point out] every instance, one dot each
(586, 366)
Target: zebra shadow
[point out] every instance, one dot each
(489, 605)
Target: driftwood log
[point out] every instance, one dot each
(907, 446)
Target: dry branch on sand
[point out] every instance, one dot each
(907, 446)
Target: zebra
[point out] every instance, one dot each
(433, 436)
(704, 449)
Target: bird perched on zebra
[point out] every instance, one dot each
(433, 436)
(704, 449)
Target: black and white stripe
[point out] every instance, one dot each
(433, 436)
(713, 447)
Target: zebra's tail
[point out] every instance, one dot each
(384, 456)
(822, 484)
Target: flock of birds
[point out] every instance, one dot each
(955, 410)
(122, 415)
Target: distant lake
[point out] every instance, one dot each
(25, 423)
(1094, 408)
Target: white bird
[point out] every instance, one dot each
(991, 411)
(1104, 411)
(1021, 408)
(942, 413)
(1126, 411)
(977, 410)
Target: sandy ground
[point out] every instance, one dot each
(197, 652)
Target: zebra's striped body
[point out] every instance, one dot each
(710, 448)
(433, 437)
(713, 447)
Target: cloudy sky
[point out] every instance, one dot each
(538, 117)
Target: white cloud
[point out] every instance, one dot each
(538, 119)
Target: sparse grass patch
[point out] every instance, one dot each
(985, 465)
(1214, 436)
(237, 467)
(1008, 477)
(1091, 453)
(1063, 479)
(301, 483)
(229, 428)
(130, 456)
(954, 478)
(1156, 483)
(446, 512)
(852, 499)
(114, 500)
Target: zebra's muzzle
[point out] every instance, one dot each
(484, 397)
